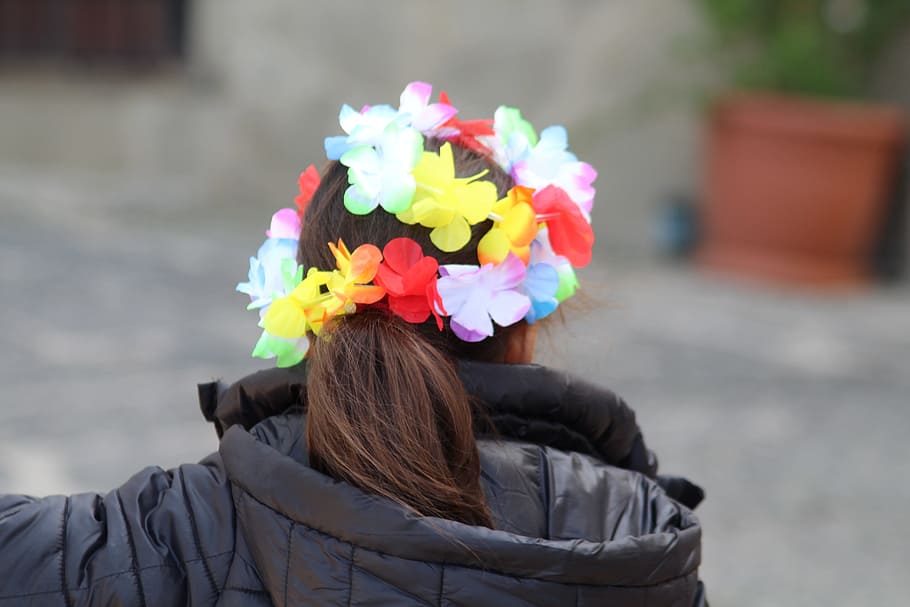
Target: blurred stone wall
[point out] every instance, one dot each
(229, 131)
(265, 79)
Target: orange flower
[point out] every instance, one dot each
(349, 284)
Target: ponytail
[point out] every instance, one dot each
(387, 413)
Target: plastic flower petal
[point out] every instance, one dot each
(308, 183)
(448, 204)
(349, 284)
(507, 122)
(541, 285)
(467, 133)
(514, 137)
(417, 111)
(409, 278)
(290, 317)
(550, 163)
(289, 352)
(266, 276)
(365, 127)
(542, 253)
(570, 233)
(382, 175)
(476, 297)
(513, 230)
(285, 225)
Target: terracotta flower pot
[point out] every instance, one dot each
(796, 189)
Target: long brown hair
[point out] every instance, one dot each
(387, 411)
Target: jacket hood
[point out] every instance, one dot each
(569, 528)
(293, 517)
(523, 402)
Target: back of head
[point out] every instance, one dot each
(327, 220)
(454, 262)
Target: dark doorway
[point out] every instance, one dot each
(93, 31)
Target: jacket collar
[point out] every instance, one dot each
(523, 402)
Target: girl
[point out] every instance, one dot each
(404, 451)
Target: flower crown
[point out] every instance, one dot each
(540, 231)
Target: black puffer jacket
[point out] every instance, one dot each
(254, 525)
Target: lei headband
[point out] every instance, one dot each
(541, 231)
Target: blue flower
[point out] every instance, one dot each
(540, 285)
(267, 277)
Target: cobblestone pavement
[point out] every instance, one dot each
(791, 410)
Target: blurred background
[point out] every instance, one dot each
(749, 286)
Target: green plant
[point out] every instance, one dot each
(815, 47)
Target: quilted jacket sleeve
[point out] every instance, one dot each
(162, 538)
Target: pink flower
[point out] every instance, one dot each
(285, 224)
(416, 109)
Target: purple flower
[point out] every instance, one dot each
(477, 296)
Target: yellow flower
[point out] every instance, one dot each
(514, 228)
(291, 316)
(448, 204)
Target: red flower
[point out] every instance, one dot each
(469, 130)
(570, 233)
(409, 278)
(308, 182)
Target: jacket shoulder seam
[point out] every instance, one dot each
(67, 599)
(255, 591)
(351, 575)
(195, 532)
(442, 583)
(287, 565)
(134, 558)
(543, 473)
